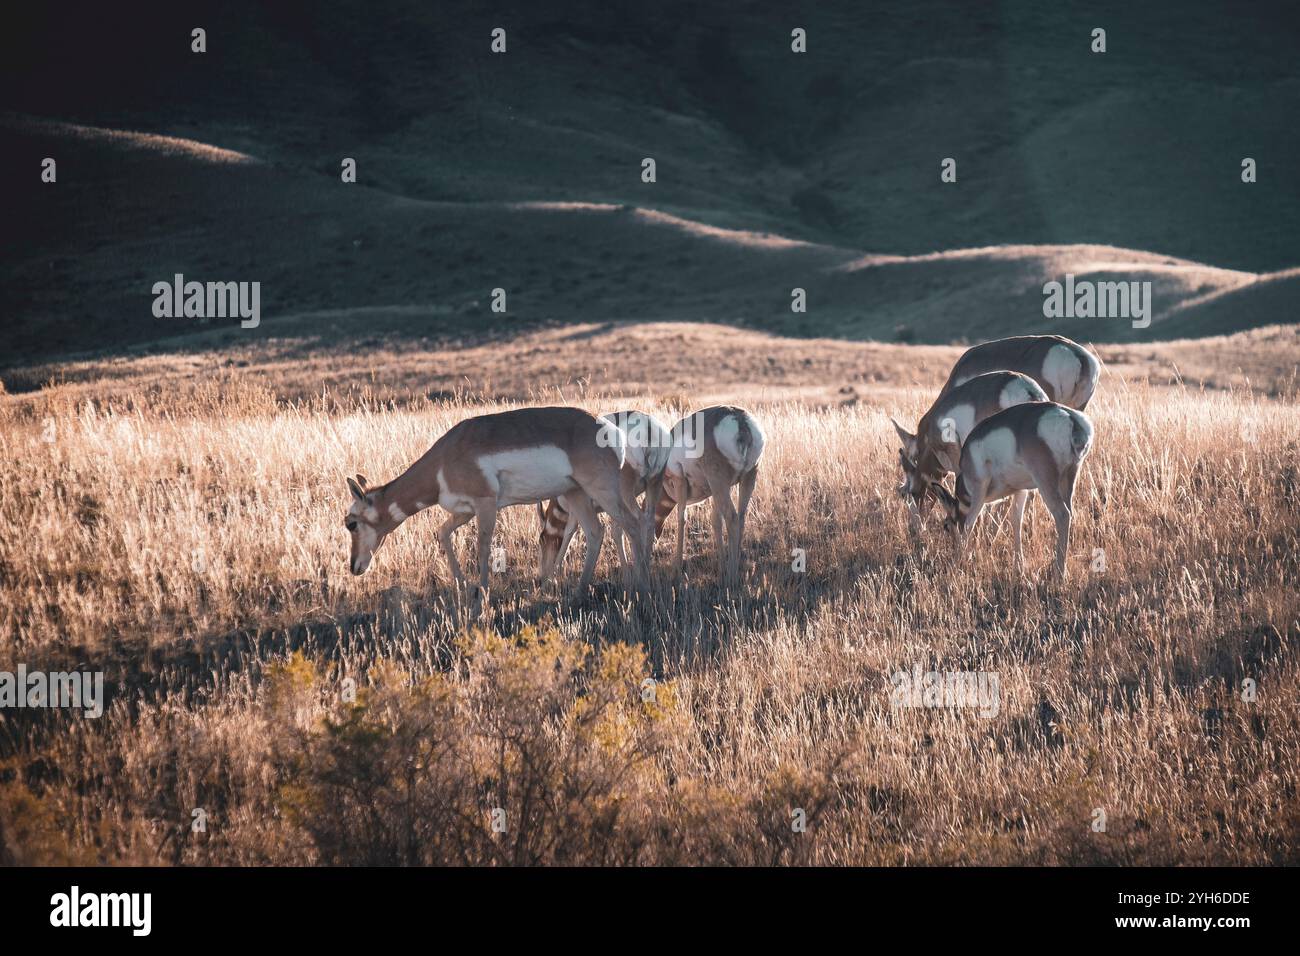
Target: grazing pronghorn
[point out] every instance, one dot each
(1040, 446)
(713, 449)
(648, 442)
(935, 450)
(489, 462)
(1066, 370)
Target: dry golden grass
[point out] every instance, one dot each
(193, 549)
(563, 362)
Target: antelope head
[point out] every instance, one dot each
(676, 492)
(551, 539)
(916, 486)
(676, 487)
(956, 507)
(367, 523)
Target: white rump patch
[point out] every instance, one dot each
(1081, 419)
(1061, 370)
(1018, 391)
(524, 475)
(1056, 429)
(648, 443)
(609, 436)
(726, 435)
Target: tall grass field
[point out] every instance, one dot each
(184, 535)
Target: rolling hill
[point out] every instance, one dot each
(774, 170)
(132, 209)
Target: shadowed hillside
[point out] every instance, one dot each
(522, 171)
(134, 209)
(1137, 147)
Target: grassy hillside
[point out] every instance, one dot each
(571, 362)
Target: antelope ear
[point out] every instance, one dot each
(357, 490)
(908, 438)
(363, 481)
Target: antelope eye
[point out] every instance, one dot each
(350, 525)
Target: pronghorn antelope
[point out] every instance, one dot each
(935, 450)
(489, 462)
(1066, 370)
(713, 449)
(1037, 445)
(647, 445)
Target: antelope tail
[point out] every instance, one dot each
(1080, 434)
